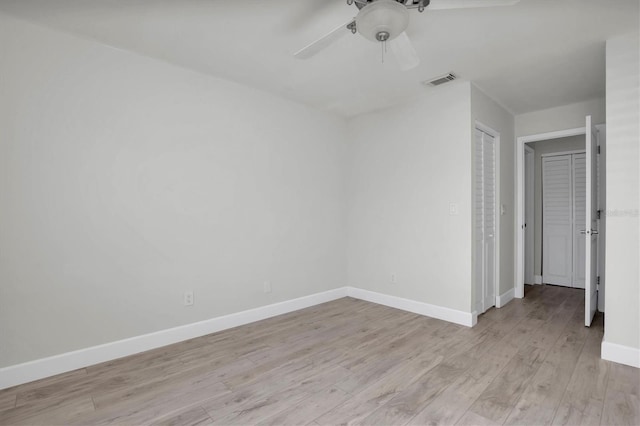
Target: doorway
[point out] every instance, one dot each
(554, 211)
(582, 237)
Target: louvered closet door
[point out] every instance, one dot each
(489, 220)
(479, 221)
(485, 220)
(557, 220)
(579, 216)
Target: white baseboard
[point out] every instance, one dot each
(468, 319)
(505, 298)
(38, 369)
(69, 361)
(621, 354)
(537, 279)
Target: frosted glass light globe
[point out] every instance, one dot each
(382, 20)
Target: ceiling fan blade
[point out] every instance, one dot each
(405, 53)
(323, 42)
(464, 4)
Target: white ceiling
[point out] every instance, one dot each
(534, 55)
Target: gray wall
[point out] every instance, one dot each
(403, 173)
(572, 143)
(560, 118)
(622, 326)
(125, 181)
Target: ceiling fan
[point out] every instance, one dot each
(385, 21)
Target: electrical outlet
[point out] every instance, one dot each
(267, 286)
(393, 278)
(453, 209)
(188, 298)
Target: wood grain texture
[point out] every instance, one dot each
(354, 362)
(8, 399)
(189, 417)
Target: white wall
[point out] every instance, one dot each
(622, 325)
(407, 164)
(571, 143)
(560, 118)
(486, 111)
(125, 181)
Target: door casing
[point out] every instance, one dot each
(529, 210)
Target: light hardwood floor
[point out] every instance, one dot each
(350, 361)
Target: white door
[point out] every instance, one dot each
(579, 214)
(602, 219)
(557, 212)
(590, 232)
(529, 188)
(485, 220)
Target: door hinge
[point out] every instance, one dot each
(598, 283)
(598, 149)
(598, 213)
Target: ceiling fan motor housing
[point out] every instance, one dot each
(409, 4)
(382, 20)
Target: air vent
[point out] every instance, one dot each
(440, 80)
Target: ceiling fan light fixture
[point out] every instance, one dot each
(382, 20)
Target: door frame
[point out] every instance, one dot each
(554, 154)
(529, 193)
(496, 285)
(520, 192)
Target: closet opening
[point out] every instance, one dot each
(486, 218)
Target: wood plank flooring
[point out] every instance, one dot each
(353, 362)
